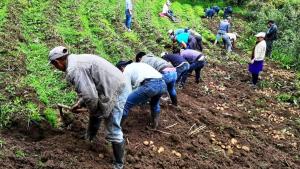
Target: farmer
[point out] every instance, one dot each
(165, 68)
(102, 89)
(224, 27)
(233, 38)
(258, 56)
(271, 35)
(209, 13)
(182, 66)
(128, 13)
(216, 9)
(168, 12)
(228, 12)
(227, 42)
(196, 60)
(147, 84)
(194, 38)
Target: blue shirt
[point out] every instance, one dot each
(224, 26)
(179, 31)
(175, 59)
(216, 8)
(128, 5)
(210, 12)
(190, 55)
(183, 37)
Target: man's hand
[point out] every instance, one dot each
(76, 106)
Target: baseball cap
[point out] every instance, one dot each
(123, 63)
(260, 35)
(58, 52)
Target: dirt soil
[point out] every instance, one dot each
(220, 123)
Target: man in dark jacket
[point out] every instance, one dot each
(271, 35)
(102, 88)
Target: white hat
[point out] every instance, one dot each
(260, 35)
(58, 52)
(170, 31)
(163, 54)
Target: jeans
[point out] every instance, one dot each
(219, 34)
(182, 73)
(112, 123)
(151, 89)
(227, 42)
(170, 79)
(128, 19)
(269, 47)
(197, 66)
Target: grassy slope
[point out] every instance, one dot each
(87, 27)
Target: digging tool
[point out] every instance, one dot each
(68, 118)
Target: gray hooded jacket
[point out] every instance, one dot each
(156, 62)
(96, 81)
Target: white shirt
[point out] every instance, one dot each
(165, 8)
(232, 36)
(260, 51)
(129, 5)
(136, 73)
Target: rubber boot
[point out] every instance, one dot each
(94, 124)
(155, 120)
(123, 120)
(174, 100)
(118, 149)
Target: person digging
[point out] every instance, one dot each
(102, 88)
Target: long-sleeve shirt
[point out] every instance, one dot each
(191, 55)
(129, 5)
(156, 62)
(175, 59)
(96, 81)
(271, 33)
(260, 51)
(224, 26)
(138, 72)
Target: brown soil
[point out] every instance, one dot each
(224, 105)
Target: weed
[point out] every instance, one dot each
(20, 153)
(51, 117)
(33, 112)
(2, 143)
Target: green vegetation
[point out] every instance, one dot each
(20, 153)
(88, 26)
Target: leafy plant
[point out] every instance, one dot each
(51, 117)
(33, 112)
(20, 154)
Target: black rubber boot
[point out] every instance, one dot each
(174, 100)
(118, 149)
(155, 120)
(123, 120)
(94, 124)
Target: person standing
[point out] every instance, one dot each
(271, 36)
(182, 66)
(165, 68)
(224, 28)
(128, 13)
(102, 88)
(196, 60)
(258, 56)
(147, 84)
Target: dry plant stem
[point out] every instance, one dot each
(191, 127)
(171, 126)
(160, 131)
(197, 130)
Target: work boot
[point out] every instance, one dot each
(118, 149)
(94, 124)
(155, 120)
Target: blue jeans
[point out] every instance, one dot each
(151, 89)
(197, 66)
(128, 19)
(227, 42)
(182, 73)
(170, 79)
(219, 34)
(112, 123)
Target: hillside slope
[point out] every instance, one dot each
(238, 126)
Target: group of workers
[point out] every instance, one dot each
(214, 10)
(110, 91)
